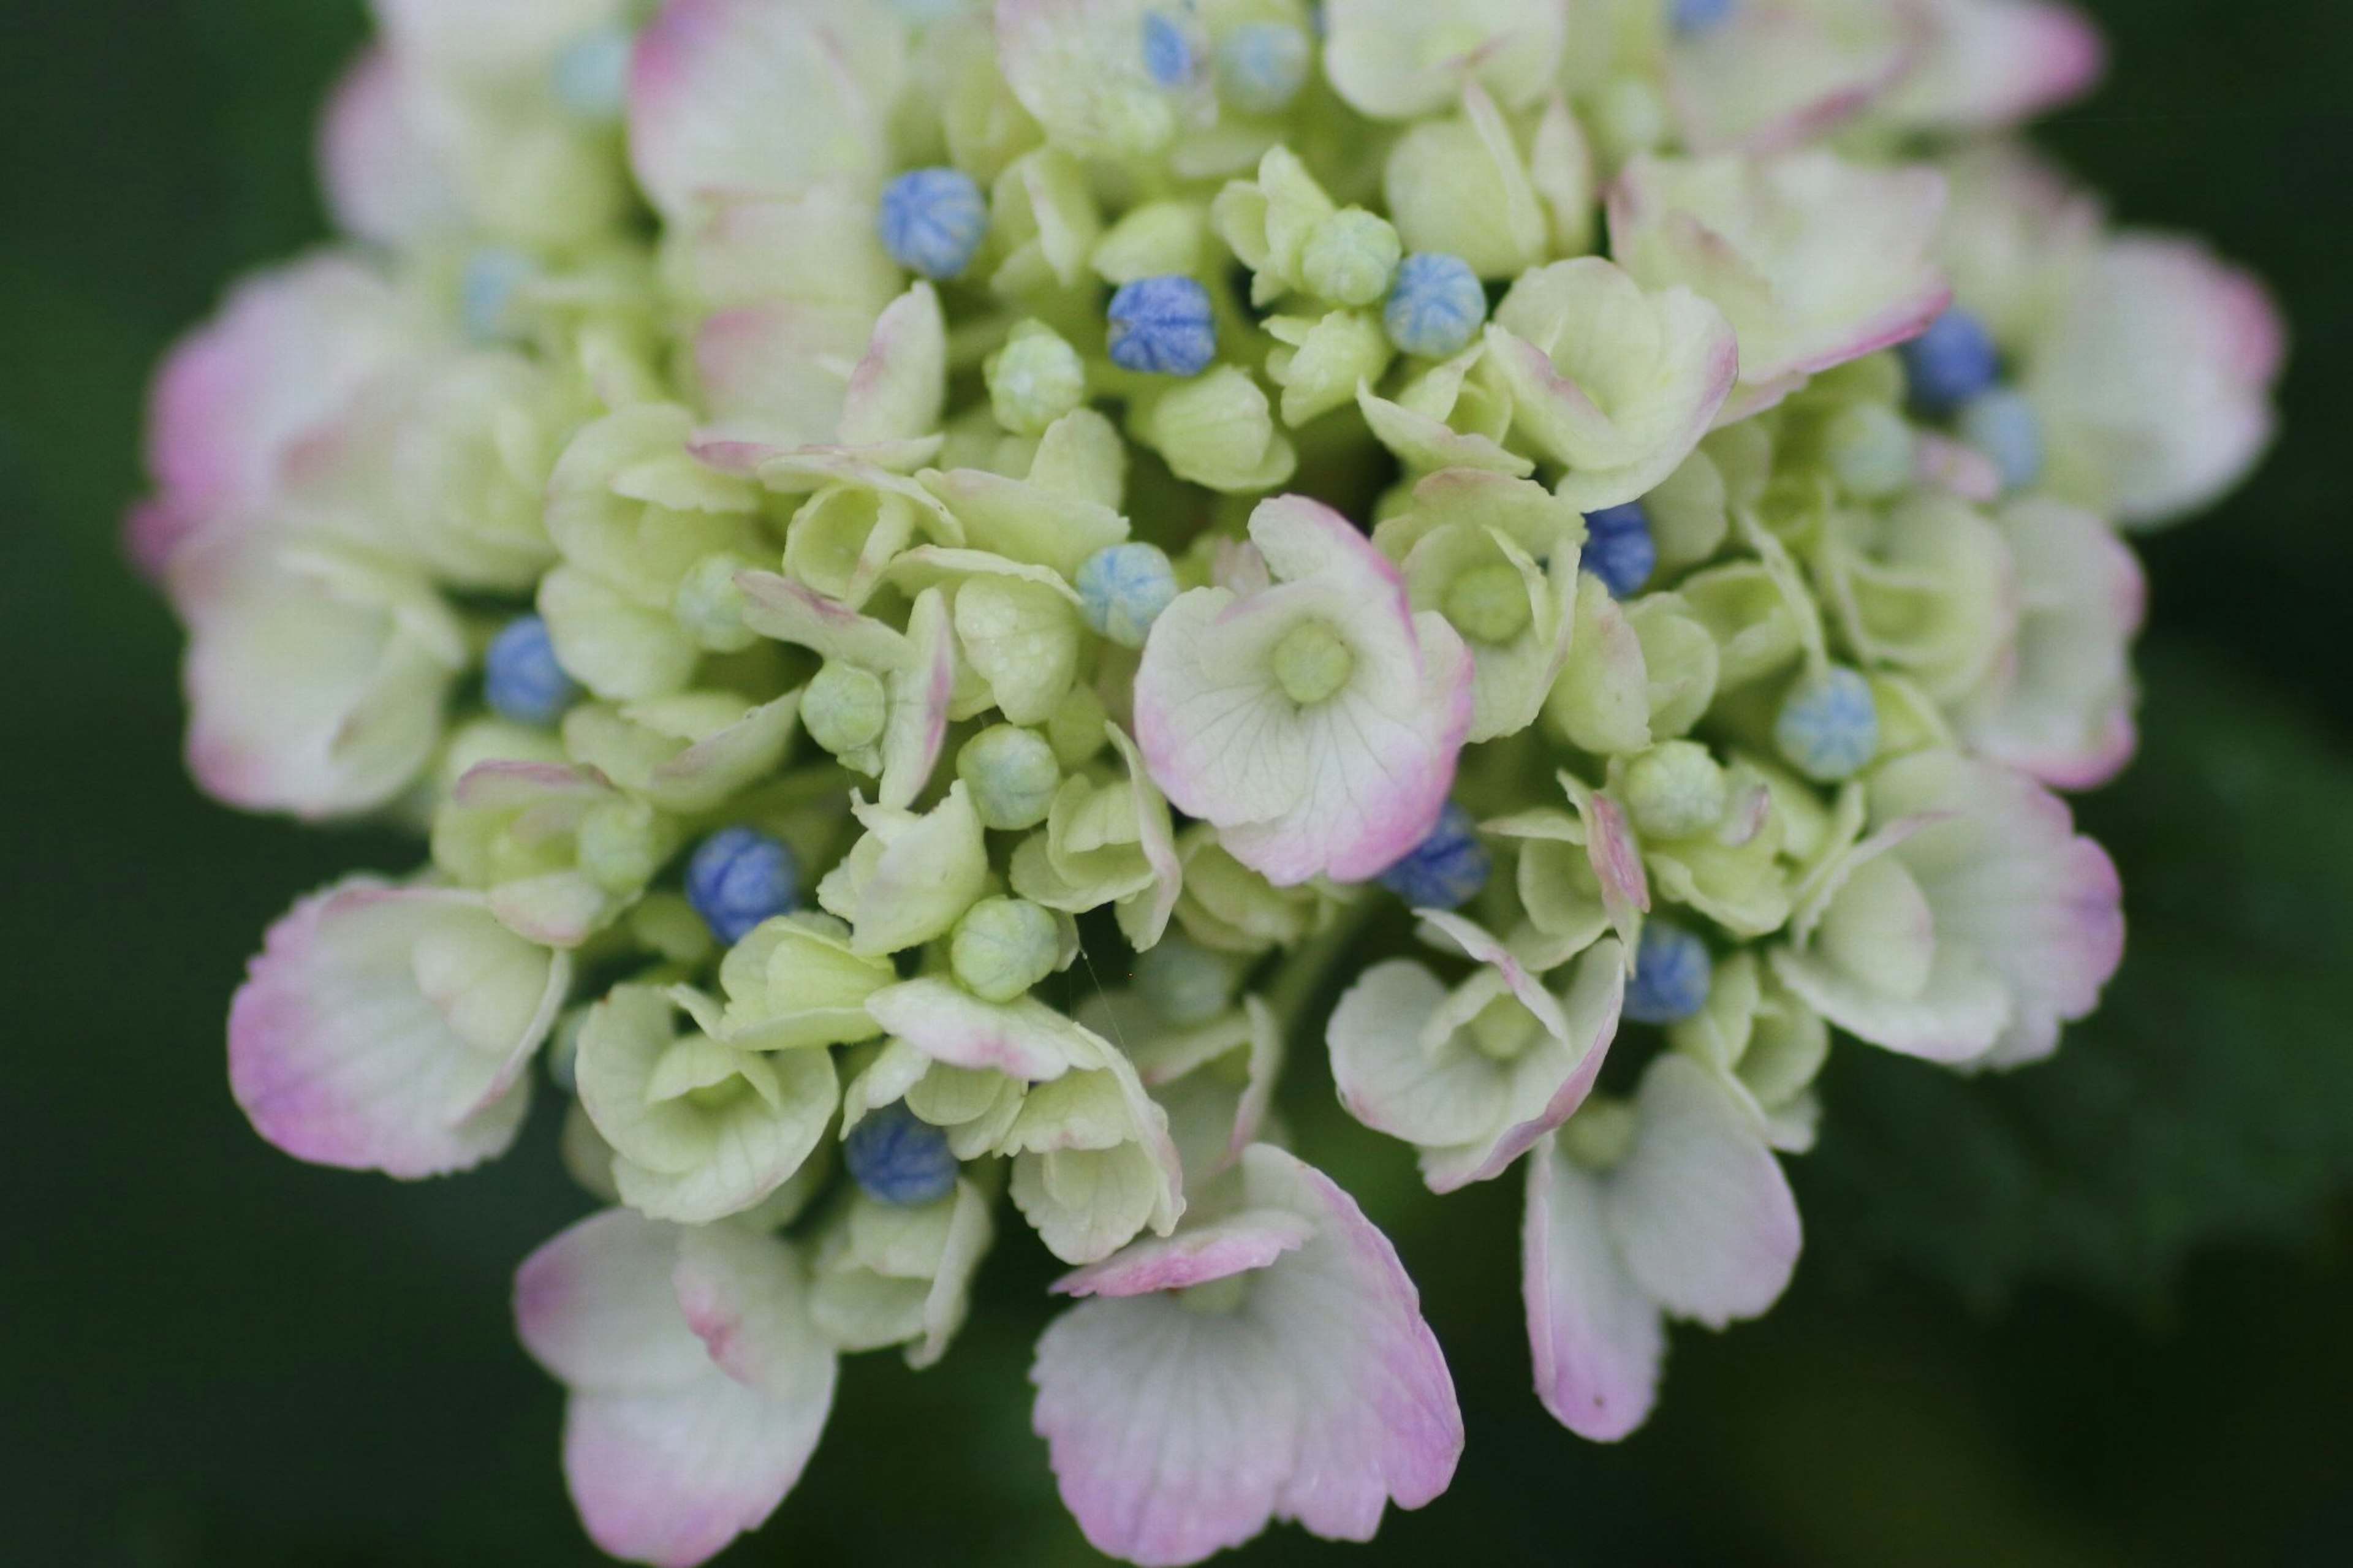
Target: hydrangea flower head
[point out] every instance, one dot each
(844, 520)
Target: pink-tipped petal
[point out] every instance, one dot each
(670, 1453)
(1597, 1339)
(382, 181)
(385, 1028)
(1195, 1256)
(1024, 1038)
(1699, 1209)
(1321, 1397)
(286, 352)
(765, 96)
(1988, 64)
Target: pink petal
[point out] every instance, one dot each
(1322, 1397)
(1595, 1338)
(1699, 1209)
(1025, 1039)
(761, 96)
(383, 182)
(340, 1056)
(288, 350)
(1989, 64)
(668, 1456)
(1195, 1256)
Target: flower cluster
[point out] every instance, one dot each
(830, 513)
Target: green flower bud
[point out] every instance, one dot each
(844, 708)
(1601, 1134)
(1350, 257)
(1012, 775)
(1003, 946)
(1185, 984)
(1217, 430)
(1675, 790)
(622, 844)
(1035, 379)
(710, 607)
(1313, 662)
(1870, 450)
(1489, 603)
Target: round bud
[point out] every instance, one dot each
(1262, 66)
(1185, 984)
(1870, 448)
(1123, 588)
(1952, 363)
(1436, 305)
(1163, 326)
(898, 1158)
(1676, 790)
(1313, 662)
(1618, 549)
(1447, 870)
(1011, 774)
(1489, 603)
(521, 679)
(1672, 974)
(845, 707)
(618, 844)
(739, 877)
(493, 276)
(710, 606)
(591, 76)
(2003, 425)
(1829, 725)
(1168, 52)
(1350, 257)
(1035, 379)
(933, 220)
(1003, 946)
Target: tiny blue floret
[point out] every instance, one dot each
(1123, 588)
(738, 877)
(1951, 362)
(1435, 305)
(932, 220)
(1672, 974)
(1699, 15)
(487, 288)
(1168, 53)
(2004, 426)
(900, 1158)
(1618, 549)
(1163, 326)
(1445, 871)
(591, 76)
(1829, 725)
(1262, 66)
(521, 679)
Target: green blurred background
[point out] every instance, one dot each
(2097, 1314)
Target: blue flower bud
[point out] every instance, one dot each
(2003, 425)
(521, 679)
(900, 1158)
(1829, 725)
(1447, 870)
(1617, 548)
(738, 877)
(1435, 305)
(1951, 362)
(1672, 974)
(1123, 589)
(1698, 15)
(1262, 66)
(932, 220)
(486, 291)
(1168, 52)
(1163, 326)
(591, 76)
